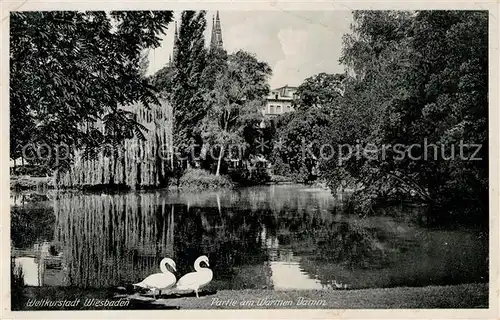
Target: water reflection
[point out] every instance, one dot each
(290, 276)
(29, 268)
(281, 237)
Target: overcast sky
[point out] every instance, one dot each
(296, 44)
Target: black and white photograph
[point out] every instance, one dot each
(249, 159)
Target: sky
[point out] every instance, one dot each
(295, 44)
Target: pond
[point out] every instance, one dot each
(277, 237)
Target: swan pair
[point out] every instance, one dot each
(192, 281)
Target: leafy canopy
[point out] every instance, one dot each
(70, 69)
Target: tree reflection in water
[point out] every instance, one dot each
(30, 225)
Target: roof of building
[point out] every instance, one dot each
(285, 86)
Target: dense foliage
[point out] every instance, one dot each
(414, 100)
(301, 134)
(187, 89)
(320, 91)
(298, 142)
(234, 102)
(216, 99)
(69, 69)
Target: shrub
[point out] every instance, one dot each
(276, 178)
(199, 179)
(245, 176)
(298, 173)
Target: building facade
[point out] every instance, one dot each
(280, 101)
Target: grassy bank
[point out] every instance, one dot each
(458, 296)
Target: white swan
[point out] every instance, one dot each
(193, 281)
(160, 281)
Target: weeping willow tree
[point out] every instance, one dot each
(135, 158)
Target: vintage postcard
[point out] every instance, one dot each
(250, 159)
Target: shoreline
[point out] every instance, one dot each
(472, 295)
(27, 184)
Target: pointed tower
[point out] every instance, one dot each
(216, 40)
(176, 44)
(212, 38)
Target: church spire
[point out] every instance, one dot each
(212, 38)
(176, 42)
(216, 40)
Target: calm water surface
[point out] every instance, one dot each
(265, 237)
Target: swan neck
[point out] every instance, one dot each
(197, 266)
(163, 266)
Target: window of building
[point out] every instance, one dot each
(278, 109)
(271, 109)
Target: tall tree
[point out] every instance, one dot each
(322, 90)
(71, 68)
(238, 95)
(415, 77)
(299, 137)
(187, 92)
